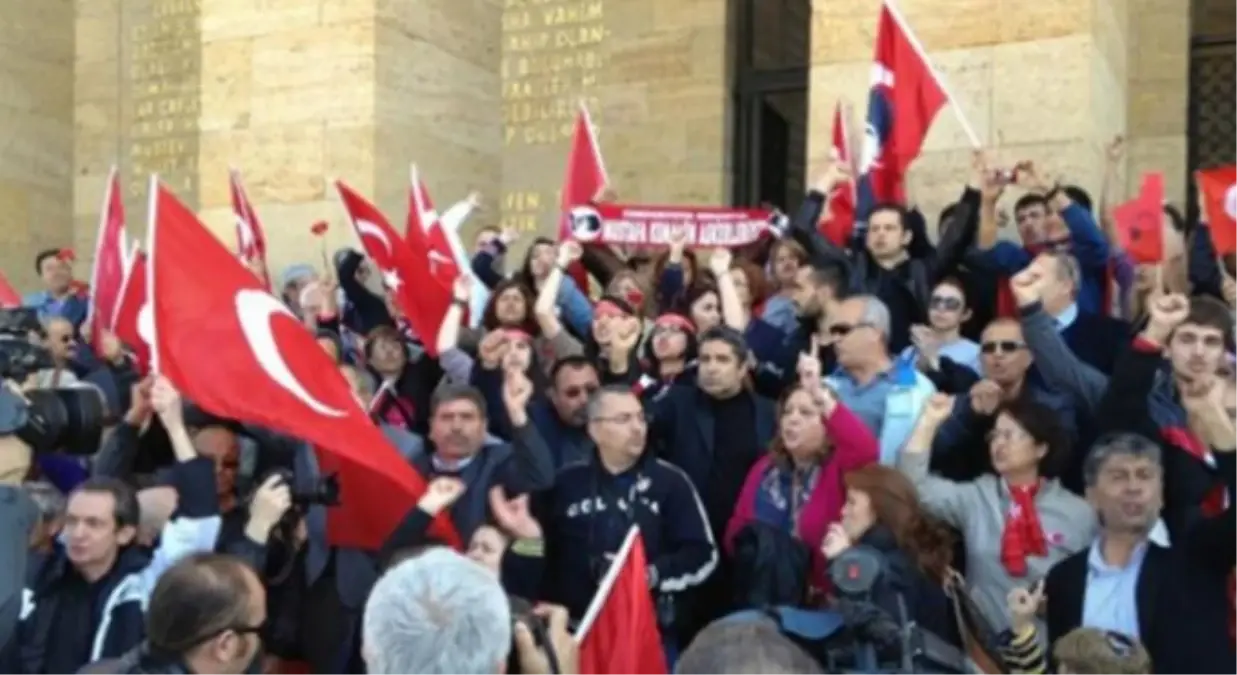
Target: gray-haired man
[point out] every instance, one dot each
(1171, 599)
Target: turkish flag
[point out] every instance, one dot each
(250, 238)
(1139, 222)
(584, 179)
(405, 272)
(9, 297)
(108, 272)
(839, 218)
(132, 324)
(619, 633)
(231, 347)
(904, 98)
(426, 232)
(1218, 189)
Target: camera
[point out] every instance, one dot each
(69, 420)
(323, 492)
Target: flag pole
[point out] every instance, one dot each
(940, 81)
(152, 221)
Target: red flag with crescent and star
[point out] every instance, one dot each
(1217, 190)
(1139, 222)
(250, 238)
(132, 323)
(235, 350)
(838, 220)
(618, 633)
(107, 274)
(404, 272)
(428, 237)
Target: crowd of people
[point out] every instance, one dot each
(1033, 435)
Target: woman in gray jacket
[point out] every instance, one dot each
(1015, 524)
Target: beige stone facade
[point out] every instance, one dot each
(481, 94)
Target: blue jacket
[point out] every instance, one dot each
(589, 512)
(127, 592)
(73, 307)
(1087, 244)
(910, 393)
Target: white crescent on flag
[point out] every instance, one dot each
(255, 309)
(366, 228)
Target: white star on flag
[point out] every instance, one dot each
(391, 279)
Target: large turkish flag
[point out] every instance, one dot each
(229, 346)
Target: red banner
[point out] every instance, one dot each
(653, 226)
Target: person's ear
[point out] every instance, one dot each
(907, 236)
(126, 535)
(966, 315)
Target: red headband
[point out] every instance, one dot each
(517, 334)
(607, 308)
(675, 321)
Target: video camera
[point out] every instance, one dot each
(858, 636)
(69, 420)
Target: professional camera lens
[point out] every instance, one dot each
(66, 420)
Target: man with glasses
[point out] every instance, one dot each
(959, 451)
(562, 414)
(593, 505)
(205, 616)
(886, 393)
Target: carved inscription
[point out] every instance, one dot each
(162, 59)
(552, 54)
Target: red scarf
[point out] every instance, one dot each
(1023, 535)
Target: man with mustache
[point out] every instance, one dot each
(562, 414)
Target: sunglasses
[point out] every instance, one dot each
(841, 330)
(572, 392)
(944, 303)
(1002, 346)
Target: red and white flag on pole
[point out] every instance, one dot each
(231, 347)
(108, 273)
(250, 238)
(583, 181)
(619, 633)
(838, 220)
(426, 230)
(405, 271)
(132, 323)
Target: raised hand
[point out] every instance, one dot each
(440, 494)
(1028, 285)
(719, 262)
(1023, 606)
(835, 173)
(461, 288)
(532, 656)
(270, 502)
(569, 252)
(624, 336)
(836, 542)
(140, 406)
(985, 397)
(166, 402)
(517, 390)
(926, 343)
(937, 409)
(1167, 311)
(512, 514)
(493, 348)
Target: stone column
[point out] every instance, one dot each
(1158, 94)
(1042, 81)
(654, 75)
(36, 104)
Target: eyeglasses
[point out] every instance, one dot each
(841, 330)
(1120, 644)
(1002, 346)
(945, 303)
(625, 418)
(574, 391)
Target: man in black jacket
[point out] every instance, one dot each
(587, 515)
(1170, 599)
(86, 601)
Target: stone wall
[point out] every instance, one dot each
(36, 101)
(654, 76)
(1042, 81)
(294, 94)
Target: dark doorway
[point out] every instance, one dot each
(771, 40)
(1211, 131)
